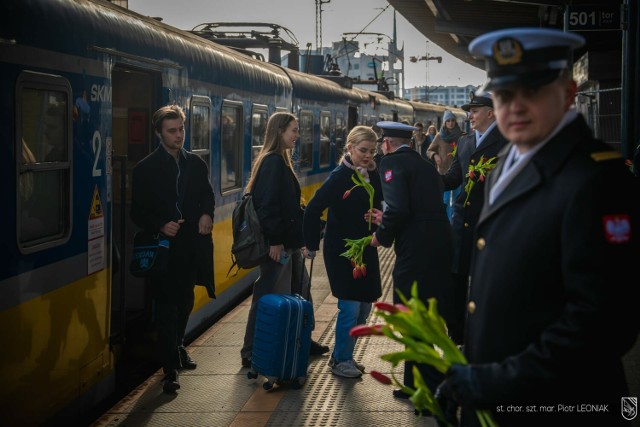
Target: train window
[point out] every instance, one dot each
(200, 127)
(340, 135)
(43, 150)
(305, 154)
(325, 138)
(259, 120)
(231, 146)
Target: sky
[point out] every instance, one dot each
(338, 17)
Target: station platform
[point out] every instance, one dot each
(219, 394)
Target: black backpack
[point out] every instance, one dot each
(250, 248)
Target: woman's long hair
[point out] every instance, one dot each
(273, 143)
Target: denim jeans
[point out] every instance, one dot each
(350, 314)
(449, 199)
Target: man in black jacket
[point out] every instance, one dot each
(484, 142)
(171, 194)
(416, 223)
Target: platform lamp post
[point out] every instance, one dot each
(427, 58)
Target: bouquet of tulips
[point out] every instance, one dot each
(423, 332)
(478, 172)
(355, 247)
(354, 252)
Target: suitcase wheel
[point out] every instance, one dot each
(298, 383)
(267, 385)
(252, 375)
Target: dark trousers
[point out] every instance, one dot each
(458, 307)
(174, 299)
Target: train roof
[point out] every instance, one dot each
(107, 29)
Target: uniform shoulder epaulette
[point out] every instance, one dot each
(601, 156)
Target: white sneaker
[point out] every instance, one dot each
(346, 369)
(332, 363)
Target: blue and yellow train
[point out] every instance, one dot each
(79, 81)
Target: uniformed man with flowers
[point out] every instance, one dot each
(415, 222)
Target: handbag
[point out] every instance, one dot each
(150, 257)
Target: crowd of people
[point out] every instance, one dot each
(530, 267)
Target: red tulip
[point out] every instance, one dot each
(481, 179)
(346, 194)
(356, 273)
(365, 330)
(381, 377)
(472, 175)
(363, 270)
(385, 306)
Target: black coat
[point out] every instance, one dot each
(276, 198)
(156, 184)
(554, 289)
(416, 223)
(345, 220)
(465, 215)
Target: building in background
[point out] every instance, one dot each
(453, 96)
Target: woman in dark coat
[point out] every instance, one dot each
(346, 220)
(276, 197)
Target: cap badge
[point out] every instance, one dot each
(388, 175)
(507, 51)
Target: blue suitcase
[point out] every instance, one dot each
(282, 339)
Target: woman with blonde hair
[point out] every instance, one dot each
(276, 197)
(347, 206)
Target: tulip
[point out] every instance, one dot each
(379, 376)
(472, 175)
(481, 179)
(346, 194)
(365, 330)
(385, 306)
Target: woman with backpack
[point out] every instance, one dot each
(276, 198)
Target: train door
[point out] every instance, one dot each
(135, 97)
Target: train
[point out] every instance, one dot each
(79, 82)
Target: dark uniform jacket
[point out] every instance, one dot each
(415, 219)
(554, 289)
(276, 198)
(345, 220)
(158, 182)
(465, 215)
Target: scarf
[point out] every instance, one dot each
(452, 135)
(364, 172)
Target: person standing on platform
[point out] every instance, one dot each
(346, 220)
(419, 139)
(416, 223)
(484, 142)
(171, 194)
(440, 152)
(276, 197)
(553, 295)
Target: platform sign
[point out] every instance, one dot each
(592, 17)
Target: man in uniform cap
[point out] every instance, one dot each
(481, 146)
(416, 223)
(556, 243)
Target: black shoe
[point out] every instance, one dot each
(246, 362)
(399, 394)
(318, 349)
(170, 383)
(185, 361)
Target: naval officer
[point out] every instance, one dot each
(555, 245)
(416, 223)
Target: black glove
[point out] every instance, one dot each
(458, 389)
